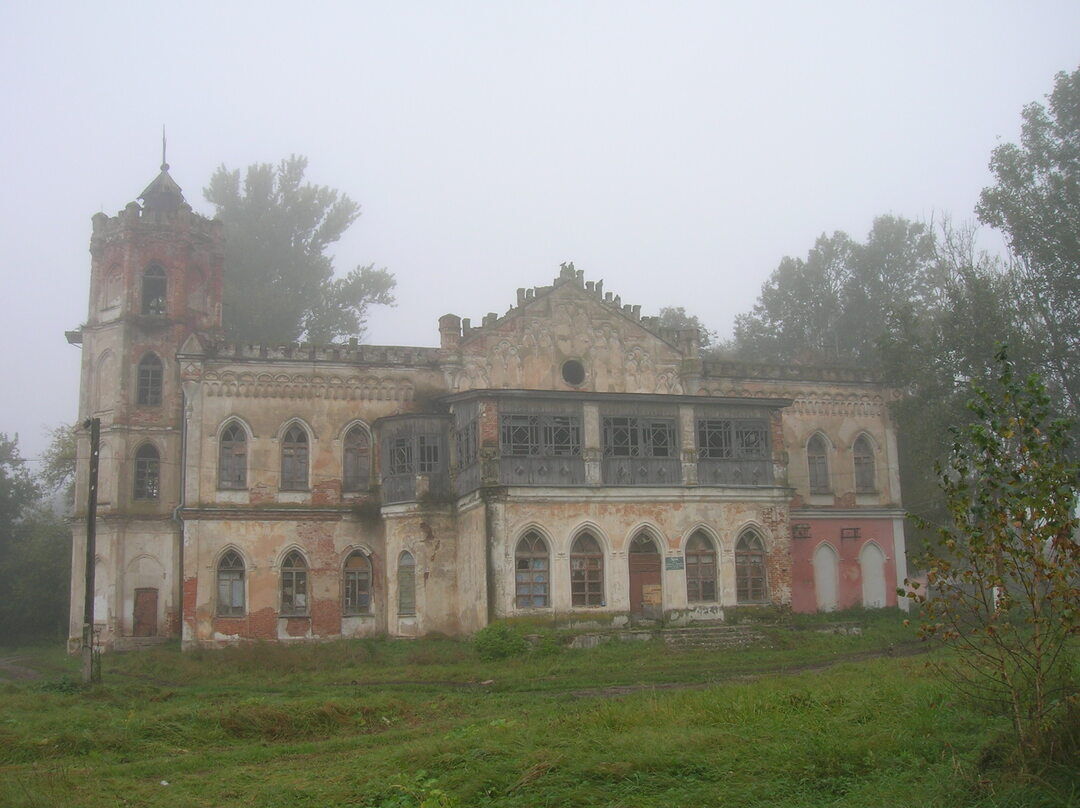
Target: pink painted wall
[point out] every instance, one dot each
(849, 590)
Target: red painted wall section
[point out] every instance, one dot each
(849, 590)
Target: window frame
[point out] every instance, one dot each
(406, 605)
(154, 290)
(695, 579)
(354, 453)
(638, 436)
(591, 566)
(864, 465)
(296, 457)
(531, 575)
(294, 586)
(356, 584)
(817, 465)
(232, 457)
(234, 574)
(149, 381)
(547, 435)
(146, 481)
(751, 579)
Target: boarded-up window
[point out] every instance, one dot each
(700, 569)
(153, 291)
(294, 594)
(294, 459)
(232, 457)
(356, 597)
(750, 568)
(586, 572)
(148, 381)
(531, 579)
(818, 465)
(230, 585)
(863, 453)
(147, 473)
(356, 460)
(406, 584)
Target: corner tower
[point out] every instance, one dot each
(155, 279)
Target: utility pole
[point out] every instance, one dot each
(94, 425)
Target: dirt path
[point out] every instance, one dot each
(10, 670)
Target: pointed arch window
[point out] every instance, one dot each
(147, 472)
(230, 585)
(294, 459)
(356, 460)
(586, 572)
(294, 592)
(700, 569)
(863, 451)
(531, 572)
(750, 568)
(148, 381)
(356, 597)
(406, 584)
(232, 457)
(818, 464)
(153, 291)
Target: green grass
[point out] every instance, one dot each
(390, 723)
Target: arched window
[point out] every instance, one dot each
(148, 382)
(750, 568)
(531, 580)
(147, 472)
(294, 459)
(232, 457)
(863, 451)
(586, 572)
(294, 601)
(406, 579)
(700, 569)
(356, 460)
(230, 585)
(153, 291)
(818, 463)
(356, 598)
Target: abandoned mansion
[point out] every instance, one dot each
(569, 459)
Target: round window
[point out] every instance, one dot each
(573, 372)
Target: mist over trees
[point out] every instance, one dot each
(35, 554)
(279, 281)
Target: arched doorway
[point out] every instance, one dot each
(872, 565)
(645, 586)
(826, 577)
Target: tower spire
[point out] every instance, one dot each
(164, 162)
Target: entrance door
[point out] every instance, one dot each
(145, 618)
(645, 592)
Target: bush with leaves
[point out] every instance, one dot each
(499, 641)
(1003, 574)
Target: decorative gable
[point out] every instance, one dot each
(568, 336)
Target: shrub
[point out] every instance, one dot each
(499, 641)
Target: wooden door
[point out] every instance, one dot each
(145, 618)
(644, 578)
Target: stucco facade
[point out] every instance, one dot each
(569, 458)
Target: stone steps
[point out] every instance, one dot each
(714, 637)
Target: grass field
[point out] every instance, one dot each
(811, 721)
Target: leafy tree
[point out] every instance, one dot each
(58, 467)
(840, 302)
(1036, 202)
(35, 555)
(1004, 574)
(279, 281)
(676, 317)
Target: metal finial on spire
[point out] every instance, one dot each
(164, 164)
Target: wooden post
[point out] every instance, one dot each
(94, 424)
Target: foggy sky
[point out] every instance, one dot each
(675, 150)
